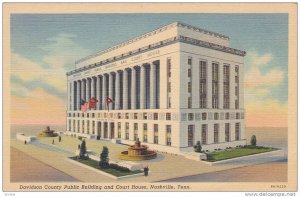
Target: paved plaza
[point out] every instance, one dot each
(165, 166)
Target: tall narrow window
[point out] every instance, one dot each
(216, 133)
(204, 134)
(237, 131)
(135, 131)
(145, 135)
(226, 87)
(127, 130)
(119, 130)
(202, 84)
(227, 132)
(191, 135)
(169, 71)
(237, 87)
(69, 128)
(189, 102)
(155, 128)
(168, 135)
(215, 85)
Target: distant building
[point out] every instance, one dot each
(171, 87)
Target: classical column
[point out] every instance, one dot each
(88, 89)
(83, 89)
(79, 94)
(104, 95)
(125, 89)
(111, 90)
(74, 95)
(143, 87)
(133, 88)
(117, 91)
(98, 92)
(153, 86)
(94, 87)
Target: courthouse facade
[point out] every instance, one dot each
(170, 88)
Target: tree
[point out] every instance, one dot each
(82, 149)
(104, 158)
(198, 147)
(253, 140)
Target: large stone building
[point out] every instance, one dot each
(170, 87)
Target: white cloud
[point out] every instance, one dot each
(61, 52)
(256, 78)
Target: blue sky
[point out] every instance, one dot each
(52, 43)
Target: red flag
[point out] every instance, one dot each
(92, 103)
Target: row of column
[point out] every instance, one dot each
(131, 88)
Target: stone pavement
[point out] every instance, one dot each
(165, 166)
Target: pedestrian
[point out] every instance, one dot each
(53, 141)
(25, 142)
(146, 171)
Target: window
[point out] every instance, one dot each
(189, 72)
(237, 131)
(190, 116)
(93, 115)
(127, 130)
(145, 116)
(168, 116)
(189, 61)
(88, 126)
(119, 130)
(78, 126)
(189, 87)
(155, 116)
(73, 126)
(226, 87)
(145, 137)
(216, 133)
(169, 103)
(87, 115)
(169, 67)
(169, 86)
(155, 128)
(82, 126)
(204, 116)
(93, 127)
(119, 115)
(227, 132)
(237, 116)
(189, 102)
(127, 115)
(168, 135)
(135, 130)
(135, 115)
(227, 116)
(215, 86)
(204, 134)
(191, 135)
(216, 116)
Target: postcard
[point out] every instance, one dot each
(149, 97)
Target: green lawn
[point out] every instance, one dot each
(95, 164)
(236, 152)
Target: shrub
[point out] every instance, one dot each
(198, 147)
(253, 140)
(104, 158)
(120, 168)
(82, 149)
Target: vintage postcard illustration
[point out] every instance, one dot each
(149, 97)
